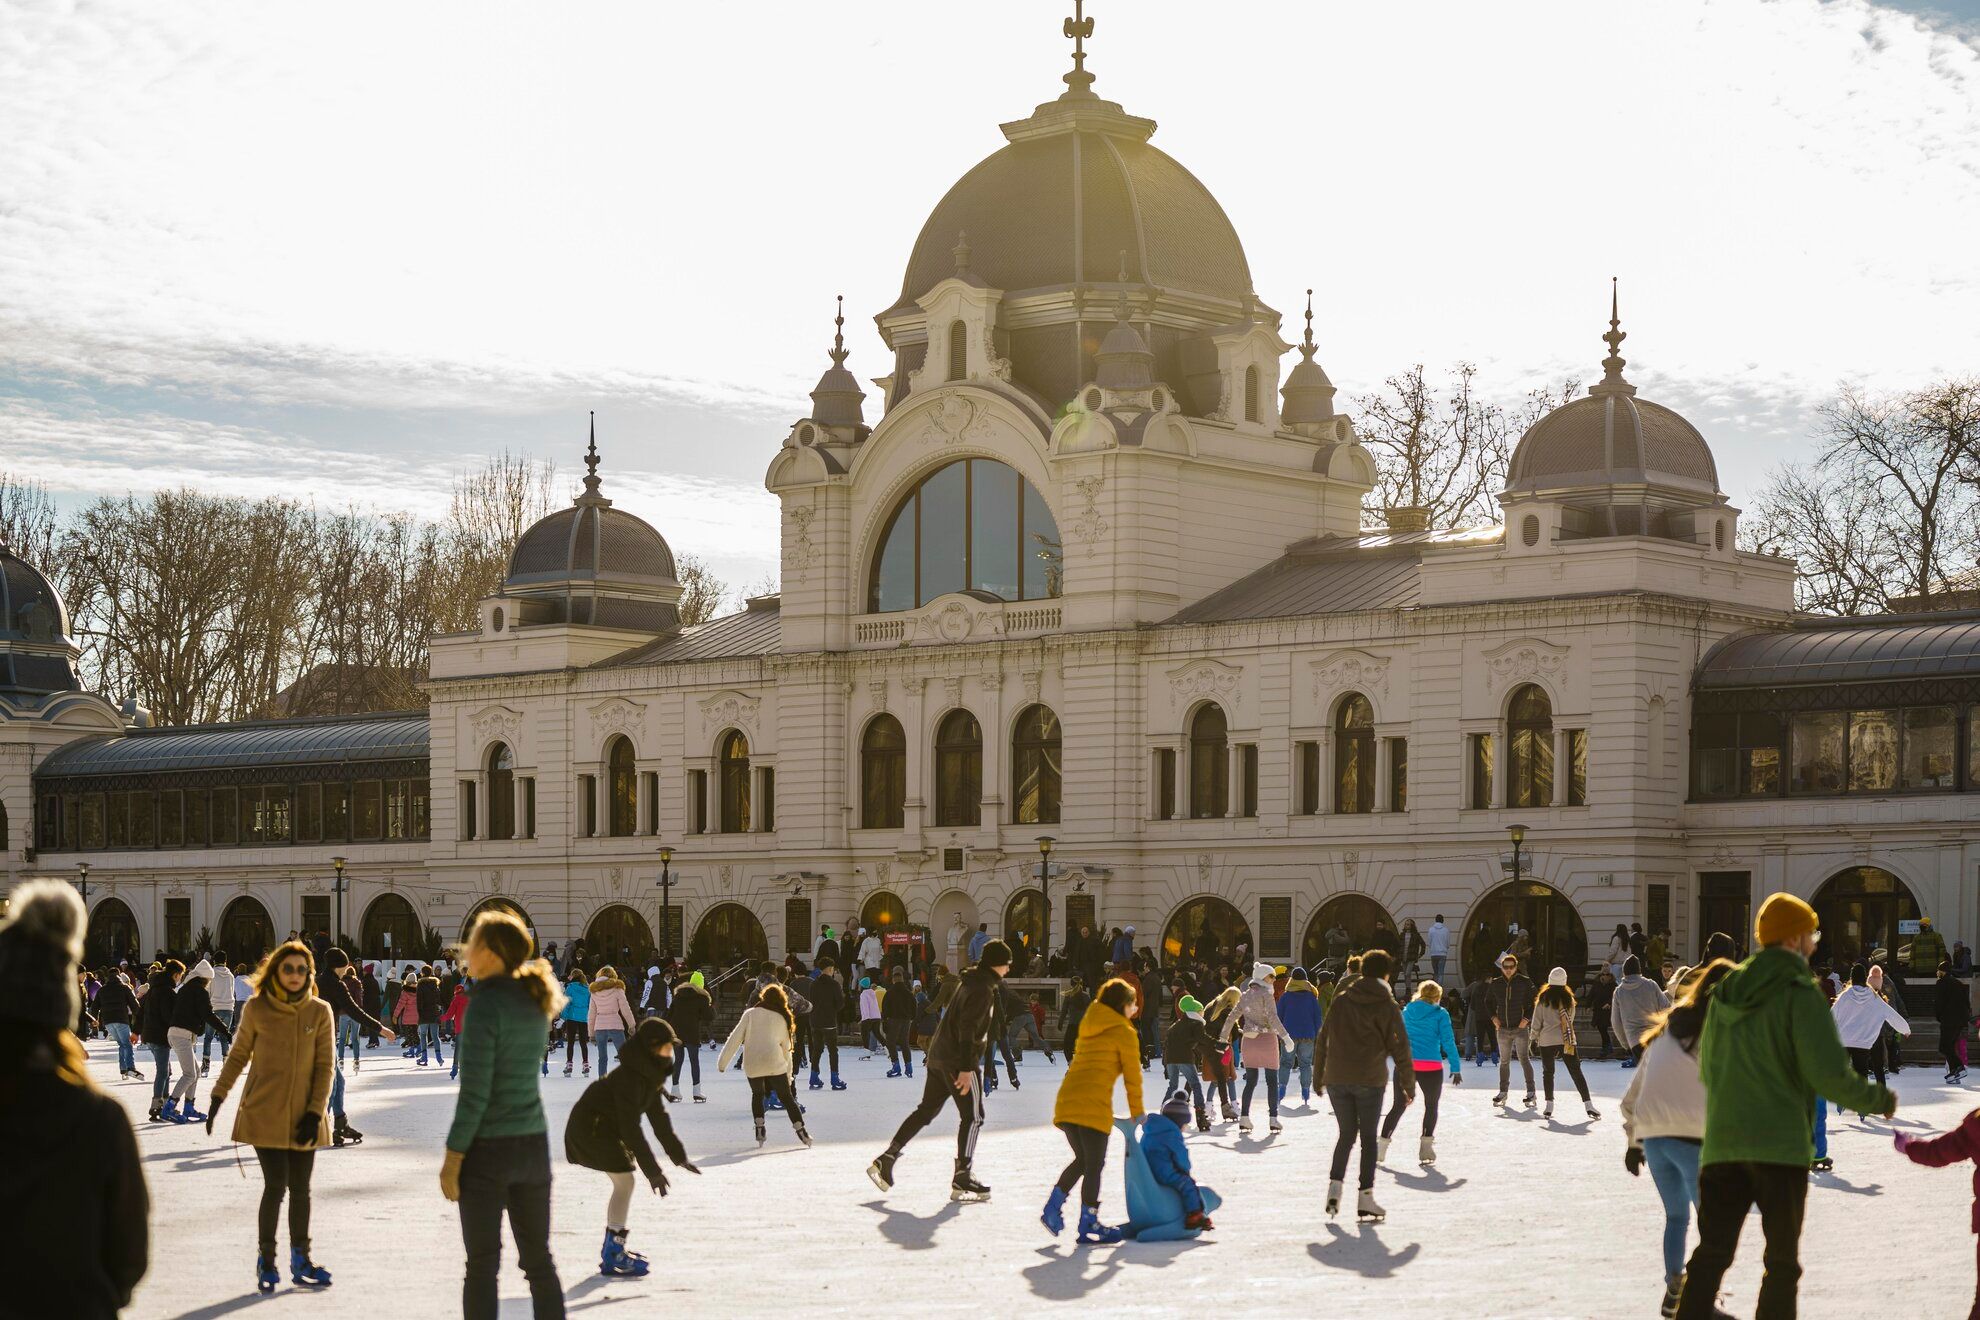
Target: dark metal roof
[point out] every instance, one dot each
(396, 736)
(1848, 651)
(754, 632)
(1328, 575)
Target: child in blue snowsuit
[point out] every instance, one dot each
(1168, 1157)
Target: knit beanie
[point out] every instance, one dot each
(1176, 1108)
(696, 979)
(1783, 917)
(1299, 973)
(995, 954)
(40, 945)
(1557, 977)
(1189, 1005)
(1261, 971)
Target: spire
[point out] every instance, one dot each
(961, 252)
(591, 461)
(1079, 28)
(1308, 394)
(1306, 345)
(1121, 307)
(836, 400)
(839, 334)
(1612, 381)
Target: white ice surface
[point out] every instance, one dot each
(1519, 1217)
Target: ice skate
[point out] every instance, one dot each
(1548, 1112)
(1244, 1123)
(802, 1135)
(965, 1187)
(1499, 1099)
(567, 1068)
(615, 1260)
(1530, 1100)
(1333, 1198)
(266, 1276)
(1274, 1124)
(1821, 1164)
(1670, 1304)
(1094, 1233)
(817, 1084)
(1426, 1151)
(699, 1098)
(1366, 1211)
(881, 1171)
(894, 1071)
(303, 1272)
(762, 1134)
(1594, 1114)
(1054, 1214)
(587, 1072)
(837, 1085)
(1202, 1119)
(1381, 1150)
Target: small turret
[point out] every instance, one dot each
(1308, 394)
(837, 399)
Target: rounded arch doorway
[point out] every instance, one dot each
(1206, 930)
(113, 934)
(883, 911)
(498, 905)
(951, 922)
(1024, 927)
(391, 929)
(616, 931)
(1864, 909)
(727, 934)
(246, 933)
(1343, 926)
(1529, 918)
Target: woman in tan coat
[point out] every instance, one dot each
(284, 1039)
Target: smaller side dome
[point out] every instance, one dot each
(1123, 362)
(837, 399)
(37, 654)
(1308, 394)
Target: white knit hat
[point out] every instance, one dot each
(1557, 977)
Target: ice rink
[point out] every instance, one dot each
(1519, 1217)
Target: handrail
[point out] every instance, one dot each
(714, 984)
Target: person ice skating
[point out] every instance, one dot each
(455, 1020)
(1259, 1033)
(1637, 1000)
(1299, 1010)
(1962, 1143)
(1601, 1002)
(220, 990)
(1432, 1048)
(1509, 1006)
(1663, 1114)
(870, 1038)
(192, 1014)
(897, 1023)
(1861, 1015)
(603, 1133)
(1167, 1153)
(764, 1037)
(405, 1013)
(116, 1006)
(1181, 1048)
(608, 1015)
(1768, 1049)
(334, 989)
(1216, 1058)
(155, 1026)
(77, 1239)
(1950, 1009)
(1362, 1033)
(1071, 1009)
(498, 1147)
(828, 1003)
(429, 1006)
(284, 1044)
(951, 1062)
(1437, 943)
(1552, 1037)
(691, 1014)
(576, 1023)
(1109, 1051)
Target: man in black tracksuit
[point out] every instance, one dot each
(960, 1040)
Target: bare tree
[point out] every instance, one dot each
(491, 508)
(702, 593)
(1830, 527)
(28, 521)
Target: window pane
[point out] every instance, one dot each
(197, 821)
(171, 819)
(1763, 771)
(1973, 746)
(1928, 747)
(226, 816)
(1165, 784)
(1716, 771)
(893, 585)
(144, 819)
(120, 819)
(1873, 751)
(1309, 778)
(1042, 551)
(309, 813)
(1481, 770)
(336, 813)
(280, 822)
(1818, 751)
(367, 809)
(993, 517)
(1399, 774)
(395, 809)
(1532, 767)
(1715, 731)
(1577, 794)
(943, 508)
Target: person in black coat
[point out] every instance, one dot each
(115, 1008)
(1950, 1007)
(192, 1016)
(335, 990)
(603, 1133)
(691, 1013)
(154, 1023)
(828, 1004)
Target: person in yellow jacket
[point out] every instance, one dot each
(1107, 1050)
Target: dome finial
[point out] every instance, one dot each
(1612, 365)
(1121, 307)
(1079, 27)
(591, 461)
(961, 251)
(1306, 346)
(839, 334)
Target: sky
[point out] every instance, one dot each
(344, 252)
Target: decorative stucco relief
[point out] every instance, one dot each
(955, 621)
(617, 716)
(954, 419)
(1520, 660)
(1089, 527)
(802, 551)
(495, 724)
(1350, 671)
(1204, 678)
(734, 708)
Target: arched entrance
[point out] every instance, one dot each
(1206, 930)
(953, 909)
(496, 905)
(1356, 923)
(245, 933)
(1861, 910)
(883, 911)
(1024, 924)
(391, 929)
(728, 933)
(617, 930)
(1550, 932)
(113, 934)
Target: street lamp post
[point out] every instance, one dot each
(1518, 833)
(666, 883)
(337, 887)
(1045, 842)
(82, 883)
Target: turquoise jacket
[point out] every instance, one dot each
(578, 1009)
(1430, 1036)
(500, 1052)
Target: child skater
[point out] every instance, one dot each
(1168, 1157)
(1962, 1143)
(603, 1134)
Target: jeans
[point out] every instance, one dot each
(1725, 1193)
(337, 1092)
(284, 1171)
(121, 1033)
(1185, 1072)
(1437, 968)
(347, 1034)
(429, 1032)
(1089, 1146)
(609, 1041)
(1358, 1109)
(1673, 1165)
(1513, 1044)
(1430, 1086)
(1271, 1090)
(161, 1064)
(508, 1174)
(208, 1036)
(1301, 1062)
(1821, 1128)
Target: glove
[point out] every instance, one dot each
(213, 1104)
(1633, 1161)
(658, 1182)
(1900, 1140)
(1457, 1078)
(308, 1127)
(450, 1175)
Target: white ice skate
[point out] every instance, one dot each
(1333, 1198)
(1548, 1112)
(1382, 1150)
(1426, 1151)
(1367, 1212)
(1244, 1123)
(1594, 1114)
(1275, 1124)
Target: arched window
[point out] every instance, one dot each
(1024, 923)
(734, 762)
(1530, 749)
(113, 934)
(501, 792)
(728, 934)
(1251, 394)
(1209, 763)
(617, 927)
(1207, 930)
(1531, 919)
(1343, 926)
(1035, 767)
(971, 525)
(1863, 909)
(881, 912)
(958, 351)
(246, 933)
(958, 769)
(390, 929)
(1354, 755)
(882, 774)
(497, 905)
(622, 788)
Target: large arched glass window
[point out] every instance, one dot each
(733, 760)
(501, 792)
(882, 774)
(972, 525)
(1209, 763)
(1035, 767)
(958, 769)
(622, 784)
(1354, 755)
(1530, 751)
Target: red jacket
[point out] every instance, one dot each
(1962, 1143)
(456, 1014)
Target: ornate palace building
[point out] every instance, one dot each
(1087, 567)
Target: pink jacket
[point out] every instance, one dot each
(609, 1009)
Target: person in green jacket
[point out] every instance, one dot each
(1928, 949)
(498, 1149)
(1769, 1048)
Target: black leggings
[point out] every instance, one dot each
(1870, 1060)
(1549, 1053)
(1358, 1109)
(778, 1084)
(1089, 1158)
(1429, 1086)
(285, 1171)
(577, 1036)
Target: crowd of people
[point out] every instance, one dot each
(1734, 1064)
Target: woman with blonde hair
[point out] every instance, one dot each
(764, 1036)
(498, 1149)
(285, 1033)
